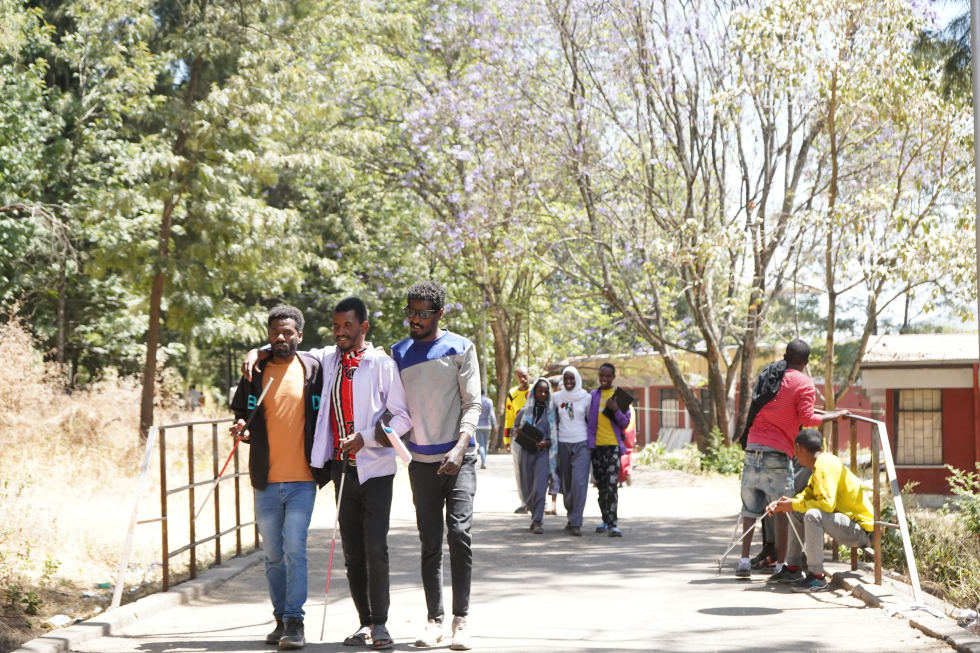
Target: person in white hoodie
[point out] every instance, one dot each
(574, 457)
(360, 384)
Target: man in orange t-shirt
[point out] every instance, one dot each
(281, 439)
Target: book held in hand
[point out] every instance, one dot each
(623, 399)
(530, 437)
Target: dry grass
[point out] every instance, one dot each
(68, 472)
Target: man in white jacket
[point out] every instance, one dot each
(359, 385)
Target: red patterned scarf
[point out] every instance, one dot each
(342, 399)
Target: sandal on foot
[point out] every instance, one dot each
(360, 638)
(536, 528)
(381, 639)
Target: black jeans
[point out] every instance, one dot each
(364, 515)
(433, 494)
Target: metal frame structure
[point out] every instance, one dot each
(880, 445)
(160, 433)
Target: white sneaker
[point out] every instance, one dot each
(432, 634)
(744, 569)
(461, 635)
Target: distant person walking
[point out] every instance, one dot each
(605, 439)
(194, 398)
(782, 403)
(441, 376)
(573, 403)
(516, 399)
(485, 427)
(540, 413)
(279, 465)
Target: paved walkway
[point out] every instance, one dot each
(654, 590)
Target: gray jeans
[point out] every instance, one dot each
(812, 526)
(574, 460)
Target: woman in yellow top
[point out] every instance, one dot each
(833, 502)
(605, 439)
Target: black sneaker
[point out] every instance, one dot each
(521, 511)
(276, 635)
(811, 584)
(294, 636)
(785, 577)
(762, 560)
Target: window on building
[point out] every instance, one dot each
(920, 427)
(669, 408)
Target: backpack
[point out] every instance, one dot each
(765, 389)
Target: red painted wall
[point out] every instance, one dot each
(958, 441)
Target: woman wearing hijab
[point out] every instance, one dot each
(574, 456)
(540, 413)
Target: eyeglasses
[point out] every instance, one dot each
(424, 314)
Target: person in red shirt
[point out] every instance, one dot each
(768, 471)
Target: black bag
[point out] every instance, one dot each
(529, 438)
(623, 399)
(765, 389)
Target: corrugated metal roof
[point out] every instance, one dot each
(921, 349)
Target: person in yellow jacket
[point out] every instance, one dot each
(832, 503)
(516, 399)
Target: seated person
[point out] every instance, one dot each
(833, 502)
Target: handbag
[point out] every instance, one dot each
(529, 438)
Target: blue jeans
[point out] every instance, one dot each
(482, 437)
(283, 512)
(766, 477)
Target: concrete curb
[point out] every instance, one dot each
(863, 588)
(63, 639)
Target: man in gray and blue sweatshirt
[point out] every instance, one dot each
(441, 376)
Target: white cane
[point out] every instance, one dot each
(734, 544)
(333, 541)
(238, 440)
(721, 563)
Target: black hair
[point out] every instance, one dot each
(610, 366)
(797, 353)
(811, 440)
(428, 291)
(287, 313)
(353, 304)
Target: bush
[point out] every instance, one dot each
(966, 486)
(687, 459)
(728, 459)
(947, 550)
(721, 458)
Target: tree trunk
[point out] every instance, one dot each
(153, 330)
(502, 366)
(828, 377)
(747, 370)
(156, 291)
(62, 321)
(716, 384)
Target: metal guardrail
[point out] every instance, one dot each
(880, 444)
(160, 432)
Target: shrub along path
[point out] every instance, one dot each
(653, 590)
